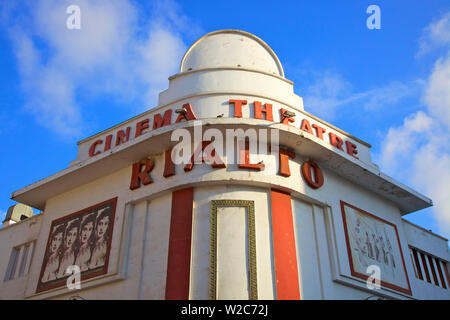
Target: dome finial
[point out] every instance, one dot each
(232, 49)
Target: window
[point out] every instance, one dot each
(19, 261)
(12, 265)
(430, 269)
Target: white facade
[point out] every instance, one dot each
(275, 236)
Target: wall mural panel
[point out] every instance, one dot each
(374, 241)
(82, 239)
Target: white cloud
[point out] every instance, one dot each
(419, 150)
(160, 54)
(117, 52)
(391, 94)
(437, 95)
(326, 94)
(437, 34)
(401, 142)
(330, 92)
(432, 173)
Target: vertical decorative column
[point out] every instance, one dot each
(179, 257)
(232, 265)
(286, 271)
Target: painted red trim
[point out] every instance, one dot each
(433, 271)
(365, 276)
(416, 261)
(285, 254)
(441, 276)
(424, 263)
(444, 266)
(179, 258)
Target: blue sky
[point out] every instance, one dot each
(389, 87)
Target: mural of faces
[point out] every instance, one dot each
(71, 234)
(81, 239)
(71, 237)
(87, 230)
(57, 240)
(102, 226)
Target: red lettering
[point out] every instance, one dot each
(122, 137)
(286, 119)
(169, 166)
(190, 115)
(141, 126)
(211, 158)
(336, 141)
(351, 149)
(306, 126)
(165, 120)
(92, 151)
(284, 156)
(108, 142)
(310, 168)
(244, 159)
(238, 107)
(141, 173)
(319, 131)
(259, 111)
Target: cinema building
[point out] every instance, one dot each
(305, 215)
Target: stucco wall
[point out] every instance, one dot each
(138, 260)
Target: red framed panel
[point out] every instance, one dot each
(378, 248)
(82, 238)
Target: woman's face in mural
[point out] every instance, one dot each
(86, 232)
(102, 226)
(56, 242)
(71, 236)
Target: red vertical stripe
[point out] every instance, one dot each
(285, 254)
(441, 276)
(444, 266)
(416, 259)
(425, 267)
(433, 271)
(179, 259)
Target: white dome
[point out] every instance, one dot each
(231, 49)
